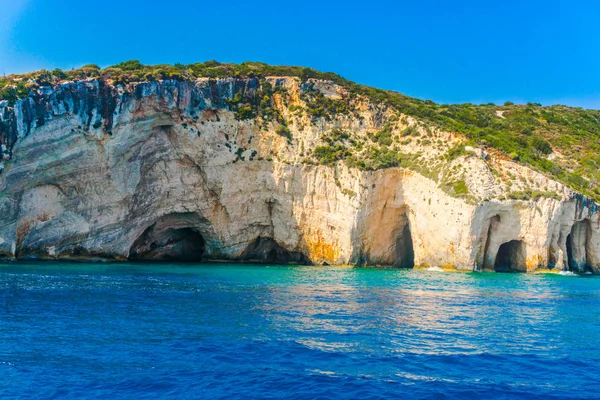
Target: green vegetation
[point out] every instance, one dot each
(532, 195)
(12, 91)
(245, 112)
(337, 147)
(384, 136)
(284, 131)
(525, 133)
(319, 106)
(455, 152)
(328, 155)
(460, 187)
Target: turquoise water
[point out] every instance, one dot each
(242, 331)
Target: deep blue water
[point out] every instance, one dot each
(242, 331)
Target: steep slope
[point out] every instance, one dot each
(131, 163)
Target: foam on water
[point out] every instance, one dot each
(567, 273)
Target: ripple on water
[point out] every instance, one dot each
(173, 330)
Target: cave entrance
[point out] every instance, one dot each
(578, 242)
(404, 254)
(267, 250)
(181, 244)
(511, 257)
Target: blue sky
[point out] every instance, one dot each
(447, 51)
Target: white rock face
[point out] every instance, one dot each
(169, 172)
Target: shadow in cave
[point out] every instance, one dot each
(267, 250)
(404, 253)
(178, 244)
(552, 256)
(493, 227)
(511, 257)
(578, 242)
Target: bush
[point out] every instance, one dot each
(131, 65)
(382, 157)
(247, 112)
(409, 131)
(330, 154)
(455, 152)
(541, 145)
(12, 92)
(384, 136)
(284, 131)
(91, 66)
(460, 188)
(336, 135)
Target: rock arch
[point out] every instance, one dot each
(511, 256)
(501, 248)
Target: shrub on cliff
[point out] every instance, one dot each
(284, 131)
(381, 157)
(455, 152)
(245, 112)
(320, 106)
(330, 154)
(460, 188)
(336, 135)
(131, 65)
(13, 91)
(384, 136)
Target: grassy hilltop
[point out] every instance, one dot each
(559, 141)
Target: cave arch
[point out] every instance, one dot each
(511, 257)
(267, 250)
(172, 237)
(578, 246)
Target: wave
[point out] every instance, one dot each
(567, 273)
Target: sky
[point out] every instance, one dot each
(455, 51)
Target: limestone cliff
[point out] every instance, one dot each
(180, 169)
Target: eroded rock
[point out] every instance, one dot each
(166, 170)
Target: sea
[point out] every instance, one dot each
(229, 331)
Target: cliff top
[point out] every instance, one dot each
(559, 141)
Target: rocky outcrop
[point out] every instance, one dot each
(170, 170)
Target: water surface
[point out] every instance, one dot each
(246, 331)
